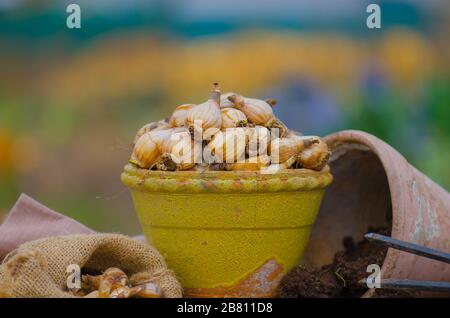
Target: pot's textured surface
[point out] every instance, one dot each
(228, 233)
(420, 207)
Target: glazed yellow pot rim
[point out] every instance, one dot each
(224, 181)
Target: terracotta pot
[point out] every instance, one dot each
(375, 186)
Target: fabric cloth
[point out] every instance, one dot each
(30, 220)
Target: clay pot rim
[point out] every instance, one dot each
(225, 181)
(366, 142)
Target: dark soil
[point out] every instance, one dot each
(352, 263)
(306, 282)
(339, 279)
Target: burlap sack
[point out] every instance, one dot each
(38, 268)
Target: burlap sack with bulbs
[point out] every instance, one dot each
(38, 268)
(37, 244)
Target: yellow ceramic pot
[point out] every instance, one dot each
(228, 233)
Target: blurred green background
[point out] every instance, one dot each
(71, 100)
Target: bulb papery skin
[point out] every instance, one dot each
(224, 101)
(146, 151)
(149, 290)
(161, 136)
(282, 149)
(179, 115)
(258, 140)
(158, 125)
(178, 135)
(314, 157)
(180, 147)
(257, 111)
(206, 115)
(176, 161)
(232, 117)
(148, 147)
(276, 167)
(227, 146)
(250, 164)
(280, 127)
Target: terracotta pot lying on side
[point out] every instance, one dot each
(375, 186)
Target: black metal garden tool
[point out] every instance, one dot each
(414, 249)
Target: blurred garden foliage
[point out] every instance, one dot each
(68, 111)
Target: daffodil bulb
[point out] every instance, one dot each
(258, 112)
(205, 115)
(149, 290)
(146, 152)
(252, 164)
(148, 148)
(258, 139)
(224, 101)
(178, 117)
(176, 136)
(169, 162)
(226, 146)
(276, 167)
(281, 149)
(279, 128)
(178, 152)
(314, 157)
(232, 117)
(158, 125)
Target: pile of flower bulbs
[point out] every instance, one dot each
(114, 283)
(226, 132)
